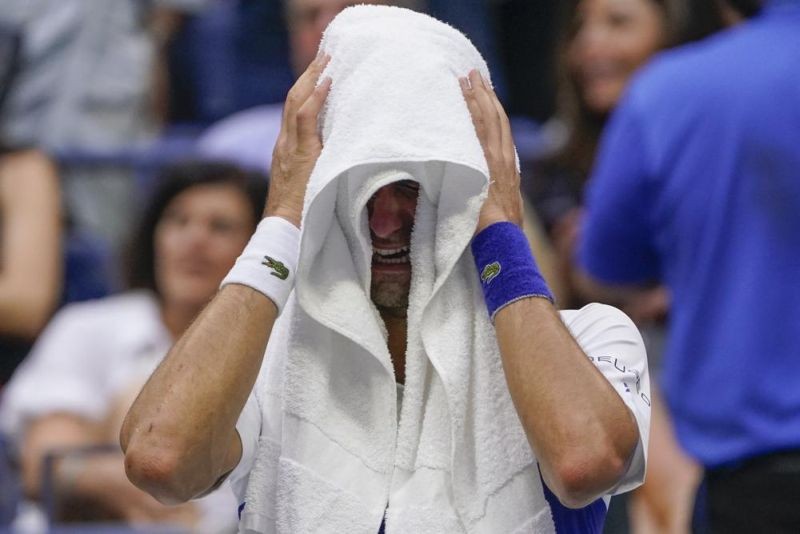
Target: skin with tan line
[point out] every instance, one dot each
(180, 437)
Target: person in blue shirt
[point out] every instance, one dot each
(698, 185)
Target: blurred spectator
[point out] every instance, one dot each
(603, 43)
(80, 376)
(86, 78)
(249, 136)
(30, 252)
(307, 20)
(698, 185)
(231, 56)
(84, 71)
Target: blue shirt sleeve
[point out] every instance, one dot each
(615, 243)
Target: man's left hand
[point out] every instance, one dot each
(504, 201)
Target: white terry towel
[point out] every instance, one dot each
(458, 459)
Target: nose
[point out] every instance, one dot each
(592, 40)
(196, 236)
(384, 213)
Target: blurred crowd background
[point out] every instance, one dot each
(135, 147)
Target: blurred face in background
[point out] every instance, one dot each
(307, 20)
(610, 39)
(199, 236)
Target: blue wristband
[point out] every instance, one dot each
(506, 266)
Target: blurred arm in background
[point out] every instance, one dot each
(30, 247)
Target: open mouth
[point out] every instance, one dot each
(389, 256)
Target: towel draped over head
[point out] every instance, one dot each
(335, 455)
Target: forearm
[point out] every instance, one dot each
(25, 308)
(579, 428)
(544, 253)
(179, 436)
(91, 485)
(96, 481)
(46, 434)
(642, 303)
(30, 247)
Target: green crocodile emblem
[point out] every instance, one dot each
(490, 272)
(278, 268)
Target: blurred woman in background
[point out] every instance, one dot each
(83, 369)
(603, 44)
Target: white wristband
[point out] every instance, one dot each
(269, 261)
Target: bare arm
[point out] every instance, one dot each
(543, 251)
(642, 303)
(578, 426)
(179, 436)
(664, 503)
(45, 434)
(30, 247)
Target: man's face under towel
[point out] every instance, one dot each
(391, 219)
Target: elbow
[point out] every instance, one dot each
(157, 472)
(580, 478)
(582, 473)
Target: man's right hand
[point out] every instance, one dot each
(180, 436)
(298, 145)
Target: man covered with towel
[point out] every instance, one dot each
(347, 376)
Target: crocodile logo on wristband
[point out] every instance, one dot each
(490, 272)
(279, 270)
